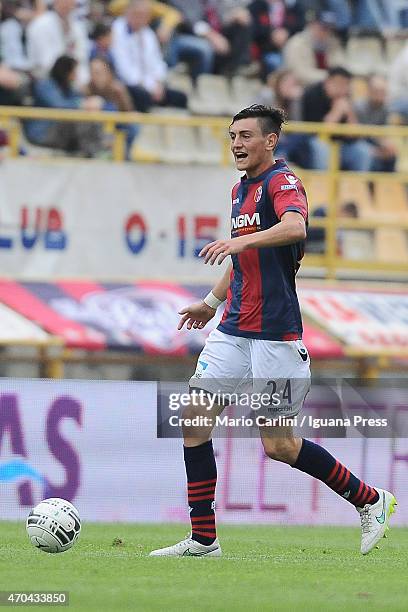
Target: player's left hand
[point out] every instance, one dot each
(220, 249)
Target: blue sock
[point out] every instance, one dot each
(319, 463)
(201, 473)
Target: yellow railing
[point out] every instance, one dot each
(330, 263)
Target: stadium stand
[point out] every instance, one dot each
(100, 252)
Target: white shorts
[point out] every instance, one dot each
(232, 364)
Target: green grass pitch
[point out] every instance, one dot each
(263, 568)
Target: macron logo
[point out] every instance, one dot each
(245, 220)
(292, 180)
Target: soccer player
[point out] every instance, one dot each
(260, 334)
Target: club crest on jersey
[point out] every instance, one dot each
(258, 194)
(246, 220)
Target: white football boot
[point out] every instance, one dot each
(375, 518)
(189, 548)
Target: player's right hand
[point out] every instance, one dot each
(196, 316)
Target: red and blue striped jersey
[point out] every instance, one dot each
(261, 300)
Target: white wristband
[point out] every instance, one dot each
(212, 301)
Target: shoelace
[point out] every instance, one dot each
(365, 517)
(183, 543)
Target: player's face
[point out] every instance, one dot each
(252, 150)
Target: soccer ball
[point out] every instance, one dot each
(53, 525)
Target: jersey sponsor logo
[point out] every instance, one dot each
(245, 220)
(291, 179)
(258, 194)
(287, 187)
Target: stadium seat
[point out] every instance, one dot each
(317, 189)
(148, 145)
(165, 143)
(384, 239)
(179, 144)
(209, 146)
(393, 47)
(357, 244)
(402, 161)
(356, 190)
(390, 199)
(244, 92)
(364, 55)
(212, 96)
(180, 81)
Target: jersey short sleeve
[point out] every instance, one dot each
(287, 194)
(234, 192)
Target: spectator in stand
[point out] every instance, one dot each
(398, 85)
(285, 91)
(273, 22)
(58, 91)
(55, 33)
(17, 15)
(316, 236)
(385, 16)
(13, 87)
(115, 95)
(194, 41)
(312, 52)
(104, 84)
(342, 11)
(164, 19)
(234, 21)
(139, 62)
(178, 41)
(101, 46)
(226, 28)
(330, 102)
(180, 44)
(374, 110)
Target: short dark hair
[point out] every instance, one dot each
(339, 71)
(270, 119)
(61, 71)
(100, 29)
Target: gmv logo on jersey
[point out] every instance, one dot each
(245, 220)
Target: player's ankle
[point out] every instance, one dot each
(376, 498)
(203, 540)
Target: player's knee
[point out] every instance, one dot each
(188, 413)
(193, 434)
(281, 449)
(189, 422)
